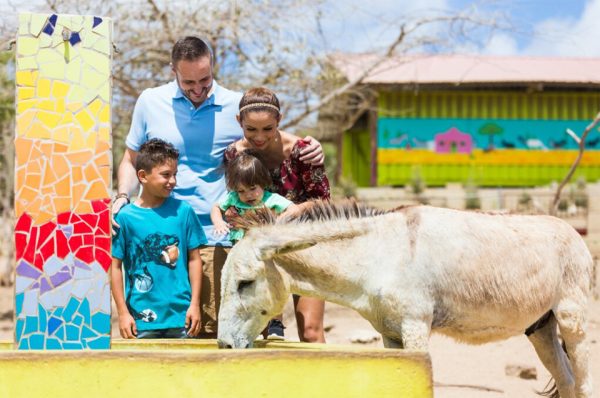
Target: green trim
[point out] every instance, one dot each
(489, 104)
(356, 157)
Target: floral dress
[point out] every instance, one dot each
(295, 180)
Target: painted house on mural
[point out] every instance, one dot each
(498, 121)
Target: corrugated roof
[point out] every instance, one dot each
(472, 70)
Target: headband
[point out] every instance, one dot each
(259, 105)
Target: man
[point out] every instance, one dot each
(197, 116)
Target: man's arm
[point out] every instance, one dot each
(127, 181)
(127, 326)
(192, 317)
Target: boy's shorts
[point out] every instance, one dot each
(213, 259)
(169, 333)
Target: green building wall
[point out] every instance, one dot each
(424, 114)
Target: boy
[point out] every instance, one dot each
(157, 242)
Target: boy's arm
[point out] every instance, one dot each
(192, 317)
(220, 226)
(127, 326)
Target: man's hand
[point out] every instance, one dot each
(313, 153)
(127, 326)
(192, 320)
(117, 205)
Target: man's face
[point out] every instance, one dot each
(194, 78)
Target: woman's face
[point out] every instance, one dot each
(260, 128)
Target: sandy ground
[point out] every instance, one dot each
(460, 371)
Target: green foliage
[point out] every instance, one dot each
(417, 186)
(472, 200)
(525, 199)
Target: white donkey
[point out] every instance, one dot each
(473, 276)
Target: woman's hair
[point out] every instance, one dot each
(247, 169)
(259, 99)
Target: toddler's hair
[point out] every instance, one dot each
(155, 152)
(247, 169)
(259, 99)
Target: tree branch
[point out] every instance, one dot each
(581, 142)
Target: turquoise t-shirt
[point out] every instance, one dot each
(271, 200)
(154, 244)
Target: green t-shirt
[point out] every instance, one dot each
(270, 200)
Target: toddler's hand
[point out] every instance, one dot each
(221, 228)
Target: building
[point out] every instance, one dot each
(495, 121)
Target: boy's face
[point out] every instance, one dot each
(251, 195)
(161, 180)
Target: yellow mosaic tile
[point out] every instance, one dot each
(62, 204)
(38, 130)
(43, 88)
(27, 46)
(62, 134)
(24, 22)
(24, 121)
(60, 89)
(24, 93)
(94, 107)
(26, 78)
(104, 134)
(103, 29)
(38, 21)
(47, 105)
(90, 141)
(92, 80)
(85, 120)
(97, 190)
(53, 70)
(26, 63)
(73, 71)
(105, 91)
(104, 115)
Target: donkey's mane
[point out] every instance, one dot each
(314, 210)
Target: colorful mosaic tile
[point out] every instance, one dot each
(62, 180)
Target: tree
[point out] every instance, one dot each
(490, 129)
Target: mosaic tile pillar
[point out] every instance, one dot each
(62, 182)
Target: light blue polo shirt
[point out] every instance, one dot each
(201, 136)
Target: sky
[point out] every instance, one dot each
(527, 27)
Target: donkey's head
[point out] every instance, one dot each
(253, 290)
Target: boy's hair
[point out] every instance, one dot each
(190, 48)
(259, 99)
(155, 152)
(247, 169)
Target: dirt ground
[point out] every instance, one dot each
(459, 371)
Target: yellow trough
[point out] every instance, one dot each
(196, 368)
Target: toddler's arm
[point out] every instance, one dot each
(192, 316)
(127, 326)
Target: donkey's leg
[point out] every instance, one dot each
(391, 343)
(415, 334)
(572, 322)
(547, 345)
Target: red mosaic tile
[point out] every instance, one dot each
(103, 258)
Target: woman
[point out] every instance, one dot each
(259, 116)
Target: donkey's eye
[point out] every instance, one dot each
(244, 284)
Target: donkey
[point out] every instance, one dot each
(476, 277)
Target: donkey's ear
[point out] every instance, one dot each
(270, 250)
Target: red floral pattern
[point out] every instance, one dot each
(294, 179)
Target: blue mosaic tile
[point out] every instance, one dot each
(101, 343)
(19, 302)
(72, 333)
(72, 346)
(36, 341)
(75, 38)
(43, 318)
(101, 322)
(77, 320)
(70, 309)
(53, 18)
(23, 344)
(19, 328)
(87, 333)
(60, 333)
(58, 312)
(53, 324)
(97, 21)
(53, 344)
(31, 325)
(84, 310)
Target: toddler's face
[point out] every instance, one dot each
(251, 195)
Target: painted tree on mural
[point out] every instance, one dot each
(490, 130)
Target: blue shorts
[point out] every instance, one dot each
(170, 333)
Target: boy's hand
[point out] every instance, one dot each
(192, 320)
(127, 326)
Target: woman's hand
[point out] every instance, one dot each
(313, 153)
